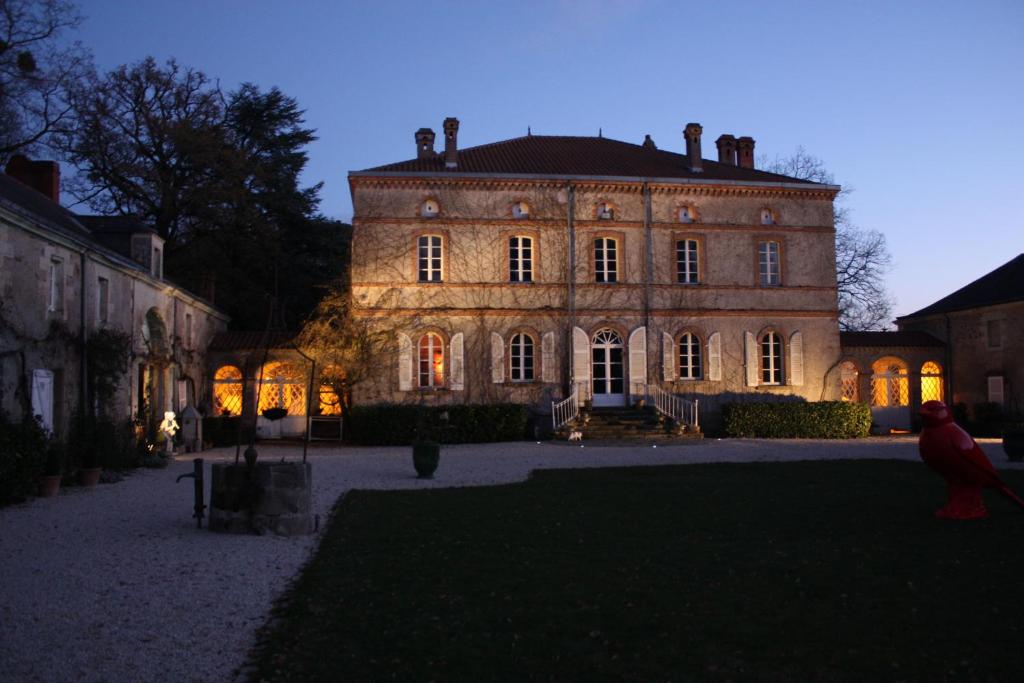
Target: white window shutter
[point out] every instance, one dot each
(715, 357)
(547, 357)
(581, 361)
(796, 359)
(404, 363)
(42, 398)
(497, 358)
(668, 357)
(751, 359)
(457, 381)
(638, 358)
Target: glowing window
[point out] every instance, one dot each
(931, 382)
(768, 261)
(430, 208)
(686, 262)
(606, 259)
(889, 384)
(283, 386)
(689, 357)
(520, 259)
(848, 381)
(771, 358)
(431, 361)
(428, 255)
(227, 391)
(520, 210)
(332, 380)
(521, 358)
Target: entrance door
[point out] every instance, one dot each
(608, 382)
(890, 399)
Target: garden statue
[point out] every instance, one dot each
(950, 451)
(169, 427)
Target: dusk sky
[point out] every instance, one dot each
(918, 106)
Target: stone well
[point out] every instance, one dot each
(274, 497)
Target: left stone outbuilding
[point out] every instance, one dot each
(64, 278)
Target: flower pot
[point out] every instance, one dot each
(49, 485)
(425, 456)
(89, 476)
(1013, 444)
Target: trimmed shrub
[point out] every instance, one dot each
(390, 424)
(818, 420)
(23, 451)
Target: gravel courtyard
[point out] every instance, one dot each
(117, 584)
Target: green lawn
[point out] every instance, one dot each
(800, 571)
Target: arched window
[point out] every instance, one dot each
(521, 358)
(329, 400)
(889, 387)
(848, 381)
(689, 357)
(520, 259)
(931, 382)
(431, 365)
(771, 358)
(227, 391)
(283, 386)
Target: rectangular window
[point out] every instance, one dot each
(686, 262)
(994, 332)
(188, 330)
(56, 297)
(103, 300)
(158, 266)
(605, 263)
(995, 390)
(771, 359)
(768, 260)
(520, 259)
(429, 258)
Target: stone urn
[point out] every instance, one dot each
(425, 457)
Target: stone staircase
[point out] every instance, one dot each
(623, 424)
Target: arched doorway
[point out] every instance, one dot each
(931, 382)
(890, 394)
(606, 351)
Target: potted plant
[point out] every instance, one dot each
(49, 483)
(426, 455)
(1013, 441)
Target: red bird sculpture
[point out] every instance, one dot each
(951, 452)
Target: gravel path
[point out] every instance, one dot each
(117, 584)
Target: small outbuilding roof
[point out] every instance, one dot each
(1003, 285)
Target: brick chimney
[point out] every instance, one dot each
(451, 140)
(745, 152)
(692, 134)
(42, 176)
(726, 149)
(424, 143)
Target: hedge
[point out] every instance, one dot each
(222, 431)
(390, 424)
(820, 420)
(23, 449)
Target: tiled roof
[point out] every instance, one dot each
(1002, 285)
(34, 203)
(116, 224)
(248, 341)
(558, 155)
(875, 339)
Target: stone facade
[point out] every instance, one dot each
(479, 312)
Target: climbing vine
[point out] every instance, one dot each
(108, 352)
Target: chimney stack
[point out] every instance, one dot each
(692, 134)
(726, 149)
(451, 139)
(424, 143)
(745, 152)
(41, 176)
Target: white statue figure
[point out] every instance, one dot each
(169, 427)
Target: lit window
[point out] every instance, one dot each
(429, 258)
(431, 361)
(605, 263)
(520, 259)
(848, 381)
(931, 382)
(771, 358)
(520, 210)
(227, 391)
(522, 358)
(767, 218)
(889, 385)
(686, 262)
(689, 357)
(994, 333)
(430, 208)
(605, 212)
(283, 386)
(686, 215)
(331, 381)
(103, 300)
(768, 261)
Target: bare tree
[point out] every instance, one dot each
(36, 71)
(862, 258)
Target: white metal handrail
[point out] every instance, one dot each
(567, 410)
(678, 408)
